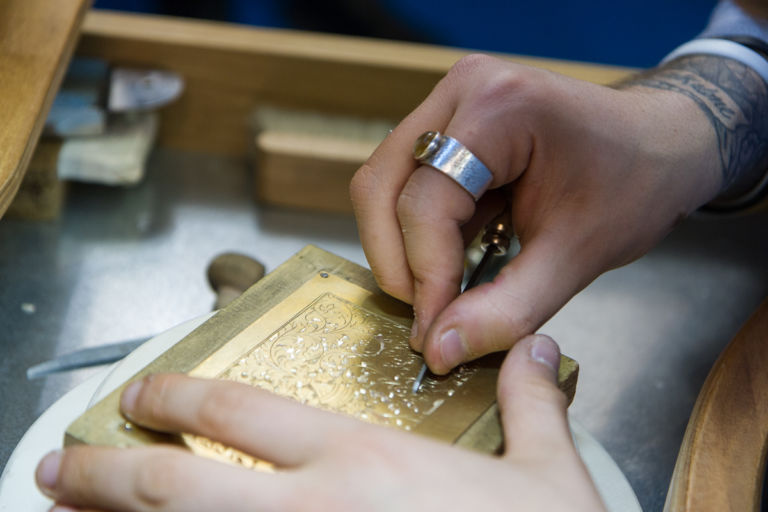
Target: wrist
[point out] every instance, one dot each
(675, 145)
(732, 100)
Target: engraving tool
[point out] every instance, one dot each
(495, 242)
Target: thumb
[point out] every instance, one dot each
(533, 409)
(493, 316)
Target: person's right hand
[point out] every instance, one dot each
(595, 176)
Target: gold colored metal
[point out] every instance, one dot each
(319, 331)
(336, 355)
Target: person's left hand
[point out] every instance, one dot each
(328, 461)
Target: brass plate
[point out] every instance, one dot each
(319, 331)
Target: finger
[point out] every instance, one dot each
(431, 210)
(378, 183)
(533, 409)
(253, 420)
(493, 316)
(157, 479)
(496, 122)
(376, 186)
(436, 232)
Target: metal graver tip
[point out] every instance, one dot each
(419, 378)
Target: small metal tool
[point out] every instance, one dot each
(495, 242)
(86, 357)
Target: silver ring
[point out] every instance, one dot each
(451, 157)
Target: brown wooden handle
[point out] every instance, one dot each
(230, 274)
(721, 462)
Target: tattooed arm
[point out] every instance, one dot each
(734, 100)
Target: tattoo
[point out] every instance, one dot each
(735, 100)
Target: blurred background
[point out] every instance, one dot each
(636, 34)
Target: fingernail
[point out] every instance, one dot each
(48, 471)
(545, 351)
(452, 348)
(130, 396)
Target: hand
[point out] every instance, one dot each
(328, 461)
(595, 177)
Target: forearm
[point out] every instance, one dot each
(734, 101)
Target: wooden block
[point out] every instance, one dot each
(306, 159)
(303, 179)
(318, 330)
(116, 157)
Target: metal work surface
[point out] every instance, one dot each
(127, 263)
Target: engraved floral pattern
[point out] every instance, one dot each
(339, 356)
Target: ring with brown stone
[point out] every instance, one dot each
(452, 158)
